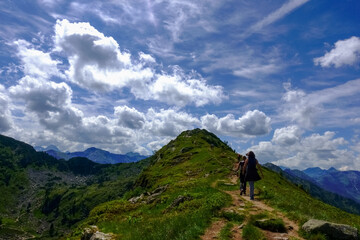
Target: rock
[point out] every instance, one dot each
(136, 199)
(88, 232)
(332, 231)
(101, 236)
(92, 233)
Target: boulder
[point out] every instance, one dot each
(333, 231)
(92, 233)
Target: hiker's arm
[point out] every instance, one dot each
(245, 165)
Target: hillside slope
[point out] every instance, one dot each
(344, 183)
(43, 197)
(184, 191)
(308, 184)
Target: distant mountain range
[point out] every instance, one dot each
(94, 154)
(344, 183)
(309, 184)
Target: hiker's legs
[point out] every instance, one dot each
(251, 184)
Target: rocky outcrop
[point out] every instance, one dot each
(149, 197)
(92, 233)
(333, 231)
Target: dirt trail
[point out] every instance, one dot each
(244, 204)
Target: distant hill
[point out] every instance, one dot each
(309, 185)
(344, 183)
(94, 154)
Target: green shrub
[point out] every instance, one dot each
(232, 216)
(273, 225)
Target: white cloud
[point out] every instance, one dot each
(5, 116)
(290, 149)
(35, 62)
(256, 70)
(96, 63)
(329, 106)
(130, 117)
(169, 122)
(287, 136)
(278, 14)
(253, 123)
(50, 101)
(345, 52)
(180, 90)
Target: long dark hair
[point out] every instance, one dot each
(251, 154)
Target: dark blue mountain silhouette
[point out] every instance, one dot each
(96, 155)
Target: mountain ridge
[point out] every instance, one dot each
(344, 183)
(177, 193)
(96, 155)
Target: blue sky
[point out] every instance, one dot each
(280, 78)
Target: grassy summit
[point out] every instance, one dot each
(186, 167)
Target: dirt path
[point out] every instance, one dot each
(243, 205)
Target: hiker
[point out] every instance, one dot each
(252, 175)
(239, 169)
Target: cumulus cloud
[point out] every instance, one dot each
(96, 61)
(5, 122)
(345, 52)
(169, 122)
(307, 109)
(287, 136)
(35, 62)
(253, 123)
(129, 117)
(180, 90)
(290, 149)
(50, 101)
(97, 64)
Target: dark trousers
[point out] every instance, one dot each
(242, 185)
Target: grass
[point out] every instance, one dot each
(297, 204)
(225, 233)
(273, 225)
(188, 166)
(250, 232)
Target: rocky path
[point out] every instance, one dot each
(244, 206)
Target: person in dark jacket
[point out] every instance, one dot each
(251, 164)
(239, 170)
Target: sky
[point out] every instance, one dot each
(280, 78)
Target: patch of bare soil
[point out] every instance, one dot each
(213, 231)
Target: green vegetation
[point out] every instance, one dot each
(188, 166)
(273, 225)
(232, 216)
(44, 197)
(297, 204)
(250, 232)
(175, 194)
(225, 232)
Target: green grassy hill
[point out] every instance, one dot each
(44, 197)
(180, 194)
(175, 194)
